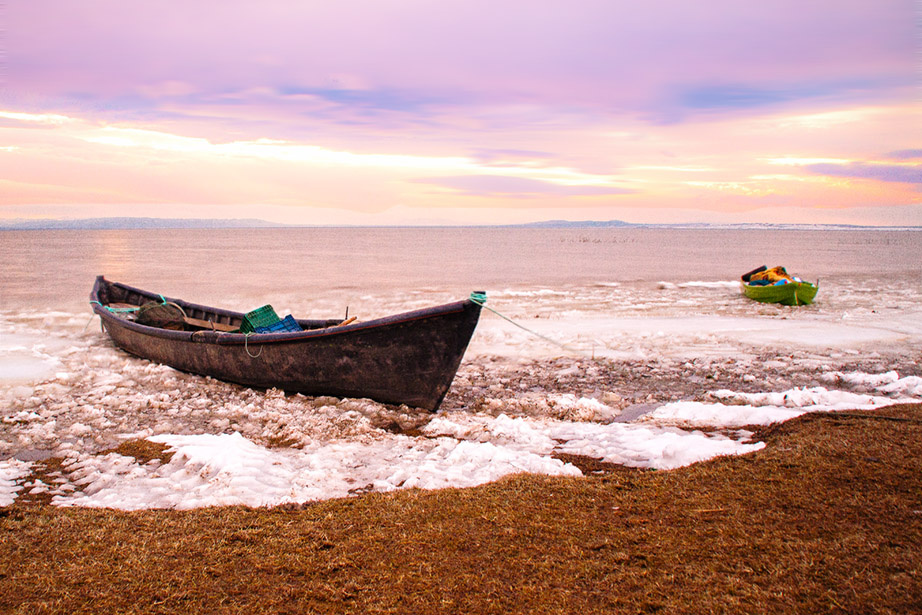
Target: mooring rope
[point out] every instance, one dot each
(481, 300)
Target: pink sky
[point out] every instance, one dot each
(405, 111)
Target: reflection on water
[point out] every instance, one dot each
(113, 254)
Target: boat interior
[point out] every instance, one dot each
(157, 311)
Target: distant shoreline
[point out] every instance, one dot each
(101, 224)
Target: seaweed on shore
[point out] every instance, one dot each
(826, 518)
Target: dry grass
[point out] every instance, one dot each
(827, 518)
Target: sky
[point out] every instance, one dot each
(473, 112)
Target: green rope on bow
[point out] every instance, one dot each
(127, 310)
(115, 310)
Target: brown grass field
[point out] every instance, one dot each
(826, 519)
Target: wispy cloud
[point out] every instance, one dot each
(752, 95)
(517, 187)
(909, 174)
(905, 154)
(33, 118)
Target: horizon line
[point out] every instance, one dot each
(154, 223)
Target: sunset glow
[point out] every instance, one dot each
(417, 112)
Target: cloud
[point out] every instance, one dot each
(720, 96)
(910, 174)
(504, 156)
(423, 57)
(905, 154)
(681, 102)
(524, 105)
(13, 118)
(729, 97)
(368, 100)
(517, 187)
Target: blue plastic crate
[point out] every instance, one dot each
(285, 325)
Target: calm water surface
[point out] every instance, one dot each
(55, 269)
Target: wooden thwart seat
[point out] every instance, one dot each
(209, 324)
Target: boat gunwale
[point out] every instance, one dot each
(780, 292)
(226, 338)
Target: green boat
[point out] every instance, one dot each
(776, 286)
(792, 293)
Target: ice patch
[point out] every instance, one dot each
(540, 292)
(11, 472)
(24, 360)
(694, 413)
(719, 285)
(889, 382)
(228, 469)
(741, 409)
(223, 470)
(639, 446)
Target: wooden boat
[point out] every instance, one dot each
(408, 358)
(787, 290)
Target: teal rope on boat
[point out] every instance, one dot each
(116, 310)
(128, 310)
(481, 300)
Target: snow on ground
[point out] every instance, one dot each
(660, 380)
(228, 469)
(640, 446)
(766, 408)
(11, 473)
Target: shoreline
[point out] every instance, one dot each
(501, 416)
(826, 517)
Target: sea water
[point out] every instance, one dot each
(49, 269)
(630, 345)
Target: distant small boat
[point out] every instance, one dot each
(775, 285)
(408, 358)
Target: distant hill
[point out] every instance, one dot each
(96, 224)
(204, 223)
(764, 226)
(577, 224)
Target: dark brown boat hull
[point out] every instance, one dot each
(409, 358)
